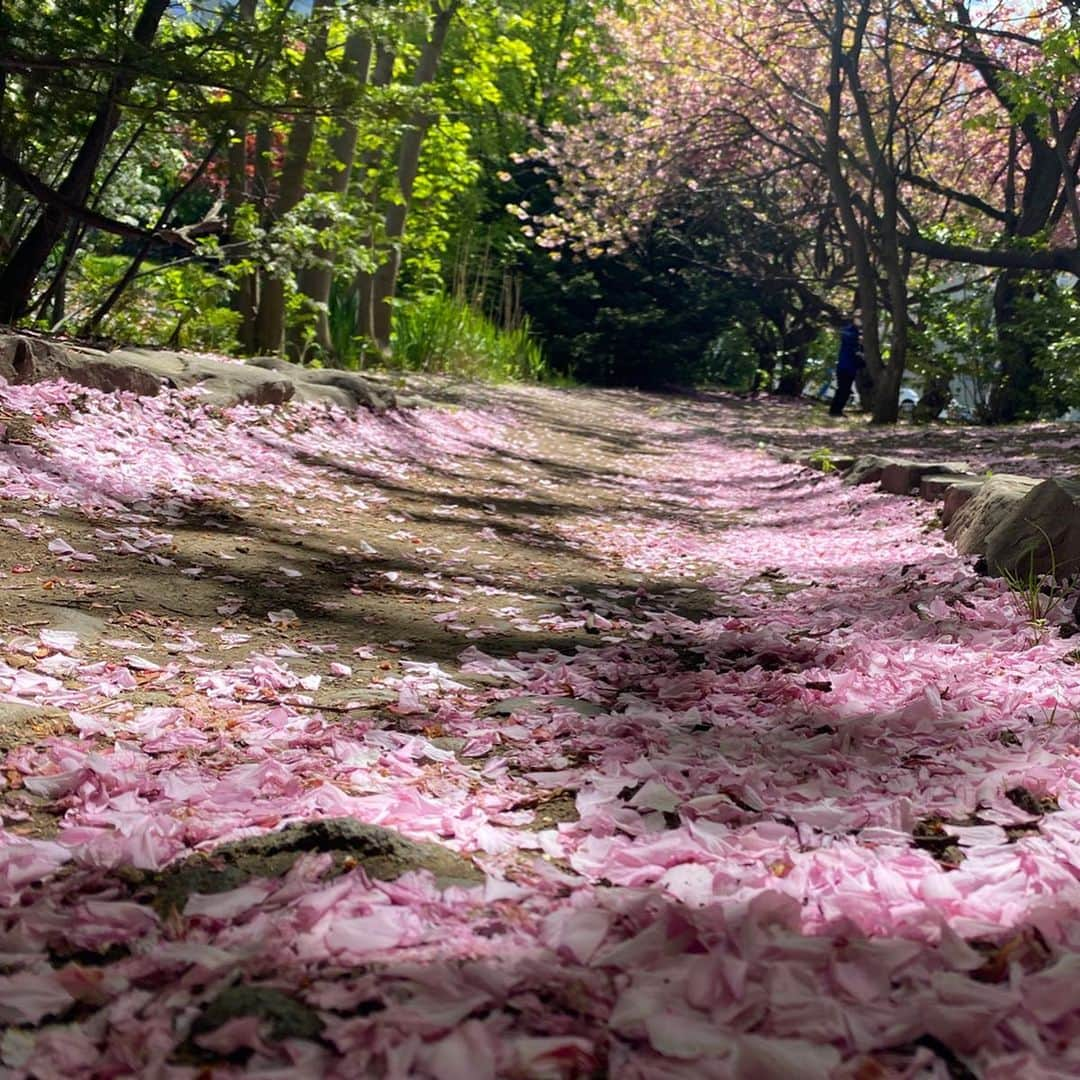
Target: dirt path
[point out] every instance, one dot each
(364, 557)
(631, 753)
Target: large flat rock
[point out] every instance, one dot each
(1040, 537)
(221, 382)
(934, 488)
(383, 853)
(25, 359)
(867, 469)
(995, 500)
(348, 389)
(903, 477)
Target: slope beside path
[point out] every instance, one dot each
(548, 734)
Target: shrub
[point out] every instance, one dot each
(180, 305)
(439, 333)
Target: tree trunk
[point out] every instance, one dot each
(383, 288)
(936, 395)
(26, 262)
(54, 295)
(886, 407)
(792, 375)
(251, 285)
(1013, 396)
(761, 383)
(382, 75)
(238, 192)
(270, 319)
(315, 281)
(1048, 181)
(871, 376)
(886, 401)
(795, 343)
(245, 299)
(384, 280)
(269, 329)
(893, 262)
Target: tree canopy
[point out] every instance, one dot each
(714, 178)
(894, 142)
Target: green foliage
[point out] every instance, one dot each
(221, 91)
(557, 60)
(1048, 82)
(446, 169)
(438, 333)
(953, 333)
(656, 314)
(1037, 595)
(343, 318)
(823, 459)
(325, 229)
(734, 360)
(181, 304)
(954, 336)
(1049, 326)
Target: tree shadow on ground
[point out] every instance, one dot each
(662, 690)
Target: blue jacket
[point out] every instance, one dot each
(850, 359)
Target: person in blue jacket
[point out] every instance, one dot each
(848, 363)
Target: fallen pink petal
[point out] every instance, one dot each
(752, 776)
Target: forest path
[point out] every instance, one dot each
(722, 769)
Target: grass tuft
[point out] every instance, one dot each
(438, 333)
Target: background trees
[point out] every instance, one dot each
(895, 139)
(305, 160)
(268, 177)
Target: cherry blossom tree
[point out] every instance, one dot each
(1025, 61)
(864, 122)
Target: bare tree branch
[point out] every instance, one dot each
(49, 196)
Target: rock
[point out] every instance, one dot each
(933, 488)
(383, 853)
(867, 469)
(1040, 536)
(345, 388)
(454, 743)
(22, 724)
(827, 462)
(221, 382)
(14, 714)
(328, 395)
(552, 812)
(477, 678)
(362, 391)
(61, 617)
(957, 495)
(996, 498)
(781, 453)
(903, 477)
(25, 359)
